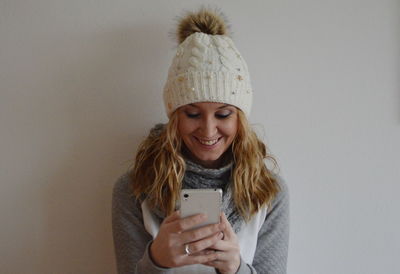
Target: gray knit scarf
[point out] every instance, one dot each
(197, 176)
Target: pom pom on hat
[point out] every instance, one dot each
(208, 21)
(207, 66)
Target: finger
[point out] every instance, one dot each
(172, 217)
(200, 245)
(228, 231)
(200, 259)
(223, 246)
(223, 255)
(206, 251)
(200, 233)
(188, 222)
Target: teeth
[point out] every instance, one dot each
(209, 143)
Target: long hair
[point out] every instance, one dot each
(253, 183)
(159, 168)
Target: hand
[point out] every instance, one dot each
(168, 248)
(227, 250)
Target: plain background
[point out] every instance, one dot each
(81, 85)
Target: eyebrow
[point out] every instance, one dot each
(226, 105)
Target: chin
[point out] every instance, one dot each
(209, 159)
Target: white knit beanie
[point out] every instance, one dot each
(207, 66)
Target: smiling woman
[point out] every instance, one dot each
(207, 143)
(207, 130)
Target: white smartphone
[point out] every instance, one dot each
(208, 201)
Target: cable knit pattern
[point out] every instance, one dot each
(208, 68)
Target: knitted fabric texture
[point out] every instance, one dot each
(208, 68)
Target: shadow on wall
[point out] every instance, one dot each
(106, 84)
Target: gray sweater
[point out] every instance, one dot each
(131, 240)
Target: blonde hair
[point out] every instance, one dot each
(159, 168)
(253, 183)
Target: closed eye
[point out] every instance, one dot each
(192, 115)
(217, 115)
(222, 116)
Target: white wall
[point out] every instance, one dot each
(80, 85)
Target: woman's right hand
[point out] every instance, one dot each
(168, 248)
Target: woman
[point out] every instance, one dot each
(207, 143)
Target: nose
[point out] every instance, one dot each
(208, 127)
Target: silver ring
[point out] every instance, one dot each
(187, 249)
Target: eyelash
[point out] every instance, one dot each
(219, 116)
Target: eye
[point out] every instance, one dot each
(223, 115)
(192, 115)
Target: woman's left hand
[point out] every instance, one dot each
(227, 249)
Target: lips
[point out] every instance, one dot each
(208, 142)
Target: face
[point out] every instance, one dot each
(207, 129)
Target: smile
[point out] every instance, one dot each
(208, 143)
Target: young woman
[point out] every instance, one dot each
(207, 143)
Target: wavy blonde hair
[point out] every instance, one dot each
(159, 168)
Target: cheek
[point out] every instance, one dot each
(230, 129)
(185, 127)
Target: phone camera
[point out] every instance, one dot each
(186, 195)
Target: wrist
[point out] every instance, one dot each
(153, 257)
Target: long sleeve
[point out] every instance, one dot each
(273, 237)
(131, 240)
